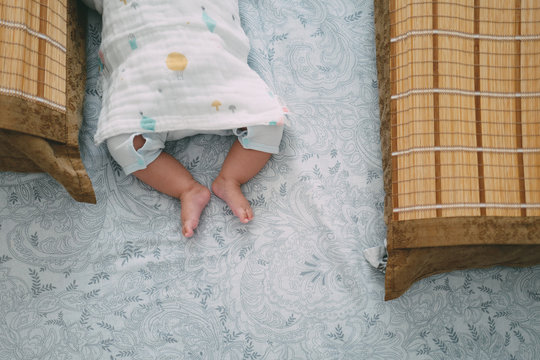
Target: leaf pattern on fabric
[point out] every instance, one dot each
(116, 280)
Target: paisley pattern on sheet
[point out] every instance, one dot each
(116, 280)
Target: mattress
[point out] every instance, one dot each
(116, 280)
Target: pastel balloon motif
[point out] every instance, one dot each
(280, 122)
(132, 41)
(177, 62)
(147, 123)
(210, 23)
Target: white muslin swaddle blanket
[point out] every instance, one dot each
(173, 65)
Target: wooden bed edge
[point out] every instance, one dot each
(406, 266)
(382, 43)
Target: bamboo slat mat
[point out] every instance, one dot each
(33, 51)
(465, 108)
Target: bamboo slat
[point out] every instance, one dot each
(465, 108)
(33, 38)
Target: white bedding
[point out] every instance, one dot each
(178, 65)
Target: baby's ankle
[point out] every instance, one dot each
(194, 188)
(222, 180)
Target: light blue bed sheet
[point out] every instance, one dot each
(116, 280)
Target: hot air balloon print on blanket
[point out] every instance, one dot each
(177, 63)
(210, 23)
(132, 41)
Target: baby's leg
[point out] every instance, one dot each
(239, 167)
(169, 176)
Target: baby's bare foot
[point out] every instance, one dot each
(230, 192)
(193, 203)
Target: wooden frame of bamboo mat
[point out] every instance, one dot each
(459, 90)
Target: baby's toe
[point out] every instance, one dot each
(187, 230)
(245, 215)
(249, 214)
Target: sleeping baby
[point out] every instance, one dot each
(172, 69)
